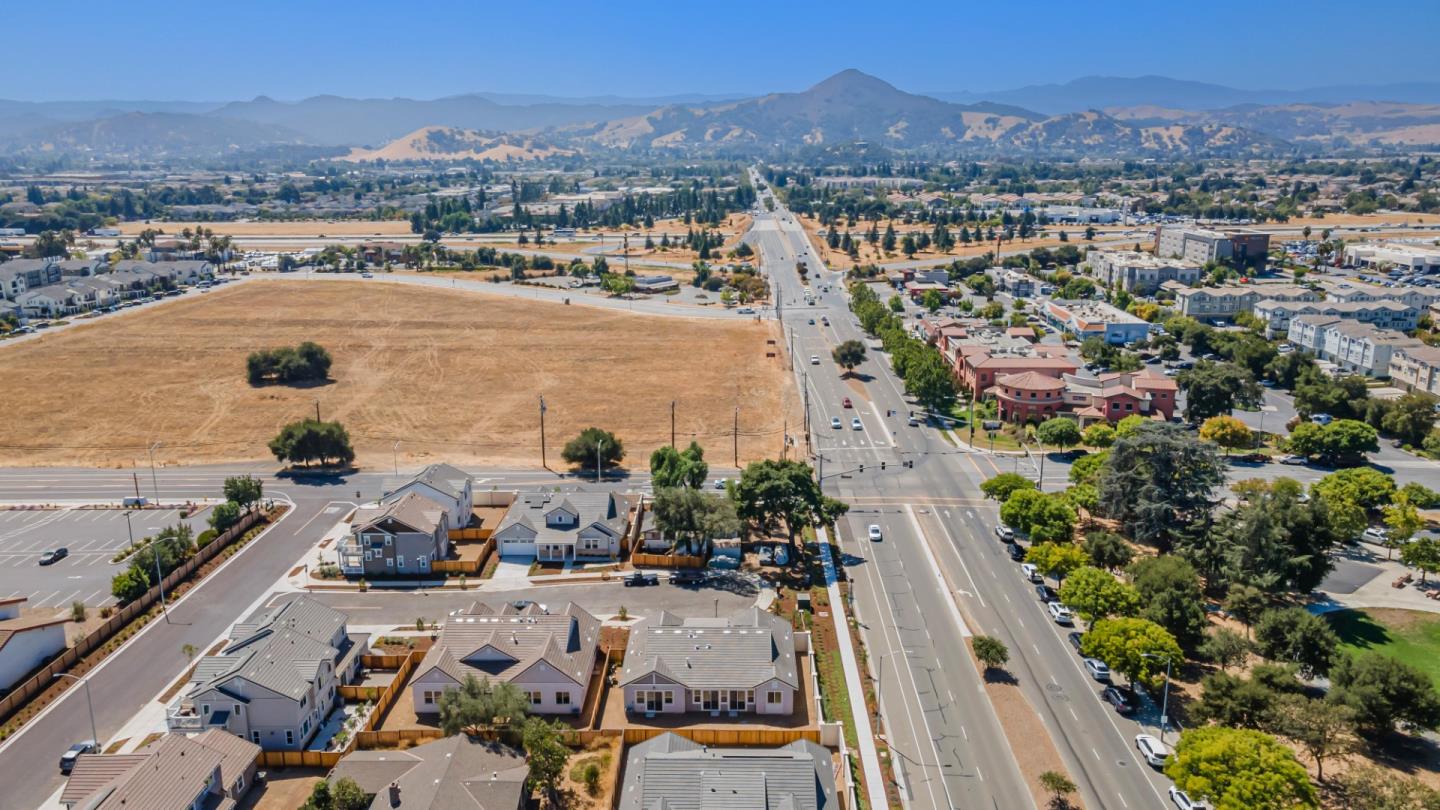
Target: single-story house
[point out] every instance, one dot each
(560, 526)
(454, 773)
(26, 643)
(669, 772)
(210, 770)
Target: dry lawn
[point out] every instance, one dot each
(312, 227)
(452, 375)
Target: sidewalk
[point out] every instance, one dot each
(869, 757)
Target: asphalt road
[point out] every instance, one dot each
(933, 708)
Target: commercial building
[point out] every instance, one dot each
(1012, 281)
(1239, 248)
(1096, 319)
(984, 356)
(1140, 273)
(1112, 397)
(1415, 258)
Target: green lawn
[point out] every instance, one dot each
(1411, 636)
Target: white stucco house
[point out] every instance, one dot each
(26, 643)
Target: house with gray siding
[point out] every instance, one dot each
(670, 772)
(563, 526)
(276, 679)
(743, 663)
(175, 772)
(400, 537)
(549, 656)
(445, 485)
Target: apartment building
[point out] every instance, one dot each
(1416, 368)
(1240, 248)
(1012, 281)
(1345, 292)
(1140, 273)
(1352, 346)
(1210, 304)
(1276, 315)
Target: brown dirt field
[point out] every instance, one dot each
(453, 375)
(283, 789)
(313, 227)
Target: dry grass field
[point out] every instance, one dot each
(452, 375)
(311, 227)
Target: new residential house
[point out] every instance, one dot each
(549, 656)
(175, 772)
(1416, 368)
(446, 485)
(28, 642)
(670, 772)
(1208, 304)
(560, 526)
(740, 663)
(1201, 245)
(399, 537)
(1140, 273)
(1276, 315)
(1352, 346)
(454, 773)
(275, 681)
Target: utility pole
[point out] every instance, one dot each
(94, 735)
(317, 410)
(784, 435)
(159, 580)
(735, 437)
(128, 530)
(154, 482)
(543, 465)
(598, 444)
(672, 424)
(395, 457)
(135, 478)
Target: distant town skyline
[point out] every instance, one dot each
(166, 50)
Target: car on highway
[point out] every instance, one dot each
(1097, 669)
(1293, 459)
(913, 421)
(1060, 614)
(1016, 552)
(874, 532)
(855, 423)
(835, 422)
(688, 577)
(1030, 572)
(720, 483)
(1046, 593)
(1075, 639)
(745, 311)
(846, 403)
(367, 275)
(1152, 750)
(1118, 699)
(1004, 532)
(67, 759)
(54, 555)
(814, 359)
(1184, 802)
(641, 579)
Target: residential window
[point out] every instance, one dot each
(669, 697)
(289, 736)
(774, 697)
(431, 696)
(400, 560)
(389, 562)
(389, 541)
(367, 555)
(255, 737)
(536, 698)
(562, 698)
(204, 708)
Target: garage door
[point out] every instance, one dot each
(515, 548)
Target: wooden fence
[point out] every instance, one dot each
(366, 740)
(26, 690)
(471, 534)
(368, 737)
(640, 558)
(727, 736)
(299, 759)
(467, 567)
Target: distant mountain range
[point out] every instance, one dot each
(1145, 116)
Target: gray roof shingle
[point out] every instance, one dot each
(737, 652)
(517, 639)
(670, 772)
(454, 773)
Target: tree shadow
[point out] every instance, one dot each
(1358, 628)
(317, 476)
(297, 384)
(1410, 753)
(1000, 677)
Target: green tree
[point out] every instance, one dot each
(1171, 596)
(319, 798)
(1224, 647)
(1410, 419)
(1000, 487)
(673, 468)
(848, 355)
(224, 515)
(591, 446)
(479, 704)
(1129, 426)
(990, 651)
(1422, 554)
(1059, 786)
(931, 382)
(1275, 539)
(1403, 521)
(1324, 729)
(691, 519)
(1096, 594)
(346, 794)
(1384, 691)
(1108, 550)
(1343, 442)
(1058, 432)
(1136, 648)
(1087, 469)
(1296, 636)
(1044, 516)
(546, 754)
(1421, 496)
(310, 440)
(772, 493)
(129, 585)
(1055, 559)
(897, 304)
(1246, 603)
(1239, 769)
(1239, 702)
(1226, 431)
(1158, 482)
(932, 300)
(1099, 435)
(243, 490)
(1212, 389)
(1371, 788)
(1363, 486)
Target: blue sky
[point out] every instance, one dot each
(150, 49)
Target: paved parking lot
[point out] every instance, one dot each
(92, 536)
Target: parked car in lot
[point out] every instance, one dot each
(1016, 552)
(1375, 535)
(1294, 460)
(1060, 614)
(1097, 669)
(67, 759)
(1252, 458)
(874, 532)
(1118, 699)
(641, 579)
(1184, 802)
(1152, 750)
(1046, 594)
(54, 555)
(1004, 532)
(688, 577)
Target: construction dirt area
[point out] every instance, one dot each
(451, 375)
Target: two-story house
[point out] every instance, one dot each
(276, 679)
(400, 537)
(563, 526)
(549, 656)
(443, 484)
(175, 772)
(743, 663)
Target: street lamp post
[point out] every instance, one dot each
(1164, 695)
(94, 735)
(128, 529)
(598, 445)
(395, 456)
(154, 482)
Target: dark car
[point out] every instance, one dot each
(1075, 639)
(67, 759)
(1253, 458)
(54, 556)
(687, 577)
(1016, 552)
(1046, 593)
(641, 578)
(1119, 699)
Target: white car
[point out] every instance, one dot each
(1004, 532)
(1375, 535)
(1152, 750)
(1030, 572)
(835, 422)
(814, 359)
(1184, 802)
(874, 531)
(855, 424)
(1097, 669)
(1060, 614)
(1298, 461)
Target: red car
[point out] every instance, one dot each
(846, 403)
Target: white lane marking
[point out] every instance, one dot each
(939, 578)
